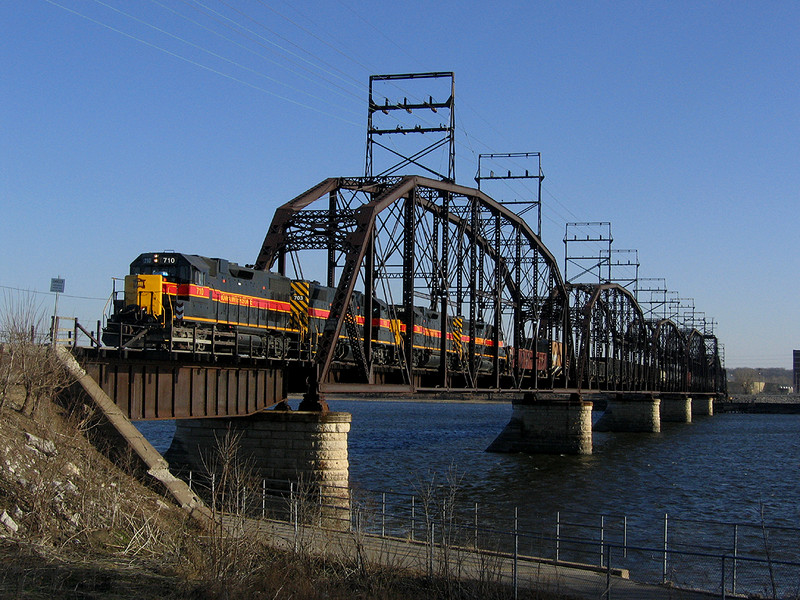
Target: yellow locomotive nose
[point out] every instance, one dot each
(145, 291)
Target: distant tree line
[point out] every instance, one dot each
(754, 380)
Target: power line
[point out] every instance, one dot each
(15, 289)
(202, 66)
(163, 31)
(340, 90)
(466, 136)
(377, 30)
(206, 50)
(279, 47)
(360, 85)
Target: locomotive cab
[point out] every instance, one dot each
(145, 301)
(144, 287)
(144, 292)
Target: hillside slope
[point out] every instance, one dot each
(73, 524)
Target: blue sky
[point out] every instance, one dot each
(678, 122)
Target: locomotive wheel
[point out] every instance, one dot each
(379, 356)
(276, 347)
(421, 357)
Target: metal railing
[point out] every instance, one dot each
(716, 557)
(66, 331)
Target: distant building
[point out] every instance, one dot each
(796, 365)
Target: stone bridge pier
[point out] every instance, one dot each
(676, 408)
(303, 451)
(547, 423)
(631, 412)
(703, 405)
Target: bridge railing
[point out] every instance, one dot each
(720, 557)
(68, 331)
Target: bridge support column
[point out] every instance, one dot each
(676, 408)
(703, 406)
(631, 413)
(547, 424)
(306, 451)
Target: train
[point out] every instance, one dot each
(186, 303)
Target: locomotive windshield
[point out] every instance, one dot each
(173, 268)
(177, 273)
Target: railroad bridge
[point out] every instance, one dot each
(454, 250)
(472, 303)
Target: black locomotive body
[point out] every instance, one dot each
(189, 303)
(185, 303)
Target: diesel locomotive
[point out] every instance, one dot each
(185, 303)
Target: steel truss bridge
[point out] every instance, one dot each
(416, 241)
(422, 247)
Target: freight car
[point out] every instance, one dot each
(185, 303)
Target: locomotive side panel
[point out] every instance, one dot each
(202, 304)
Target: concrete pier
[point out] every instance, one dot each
(308, 449)
(703, 406)
(547, 424)
(631, 413)
(676, 408)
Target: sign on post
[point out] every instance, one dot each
(57, 285)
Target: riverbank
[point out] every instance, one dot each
(768, 404)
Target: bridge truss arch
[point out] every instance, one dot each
(697, 363)
(618, 349)
(447, 262)
(669, 360)
(611, 337)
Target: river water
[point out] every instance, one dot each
(727, 468)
